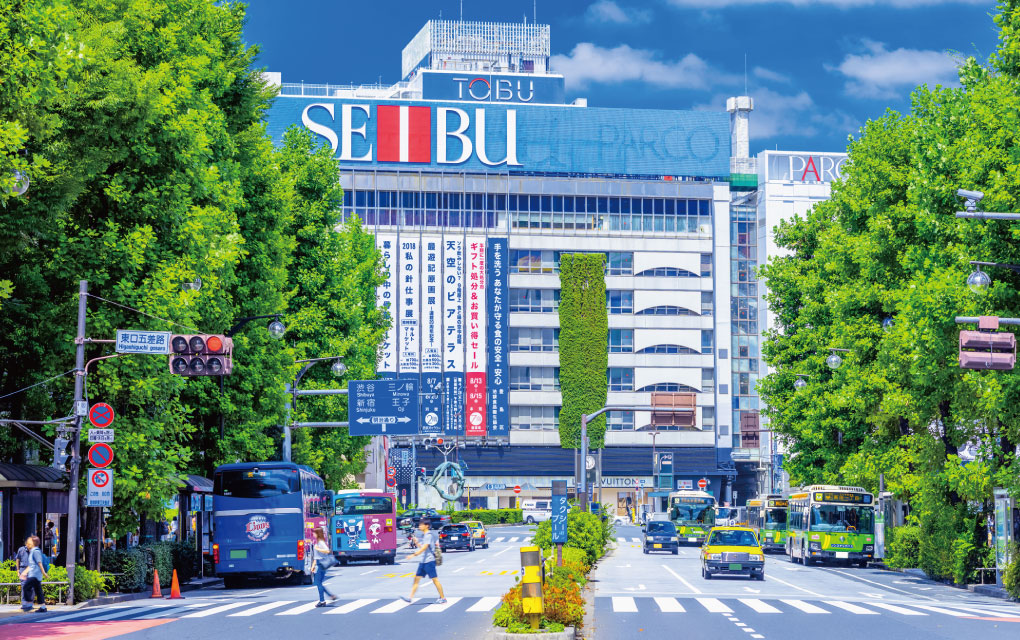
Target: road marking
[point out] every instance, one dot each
(852, 608)
(260, 608)
(459, 569)
(982, 612)
(635, 539)
(713, 605)
(759, 606)
(741, 624)
(351, 606)
(114, 614)
(669, 605)
(790, 584)
(485, 604)
(368, 572)
(877, 584)
(499, 553)
(219, 609)
(624, 605)
(757, 635)
(499, 539)
(257, 593)
(895, 609)
(804, 606)
(298, 610)
(436, 608)
(169, 613)
(621, 540)
(948, 612)
(394, 606)
(514, 539)
(82, 614)
(681, 579)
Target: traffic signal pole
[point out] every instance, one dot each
(79, 388)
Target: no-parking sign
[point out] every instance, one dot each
(100, 491)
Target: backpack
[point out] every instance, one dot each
(43, 558)
(438, 552)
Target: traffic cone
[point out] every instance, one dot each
(175, 588)
(156, 593)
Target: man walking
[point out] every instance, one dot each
(427, 562)
(32, 577)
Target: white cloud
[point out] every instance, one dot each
(607, 11)
(771, 76)
(880, 73)
(776, 114)
(842, 4)
(589, 63)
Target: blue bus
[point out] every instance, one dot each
(263, 516)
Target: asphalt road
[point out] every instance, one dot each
(660, 594)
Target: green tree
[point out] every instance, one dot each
(584, 336)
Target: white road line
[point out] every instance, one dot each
(669, 605)
(621, 541)
(980, 612)
(635, 539)
(128, 611)
(368, 572)
(624, 605)
(459, 569)
(713, 605)
(877, 584)
(219, 609)
(895, 609)
(169, 613)
(257, 593)
(499, 539)
(759, 606)
(790, 584)
(757, 635)
(437, 608)
(681, 579)
(852, 608)
(514, 539)
(261, 608)
(351, 606)
(804, 606)
(948, 612)
(485, 604)
(499, 553)
(298, 610)
(82, 614)
(394, 606)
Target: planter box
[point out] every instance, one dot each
(500, 633)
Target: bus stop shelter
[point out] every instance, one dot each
(30, 497)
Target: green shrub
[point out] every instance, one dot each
(129, 568)
(585, 531)
(1011, 577)
(86, 583)
(488, 516)
(904, 547)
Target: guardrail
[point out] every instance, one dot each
(6, 597)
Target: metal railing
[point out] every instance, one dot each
(301, 89)
(6, 597)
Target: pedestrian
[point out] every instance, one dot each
(322, 559)
(427, 562)
(49, 538)
(32, 577)
(22, 555)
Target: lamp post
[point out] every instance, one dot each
(338, 369)
(979, 281)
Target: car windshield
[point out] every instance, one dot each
(475, 525)
(692, 512)
(363, 505)
(725, 513)
(662, 528)
(838, 517)
(733, 539)
(256, 483)
(775, 519)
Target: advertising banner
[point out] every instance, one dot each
(386, 297)
(453, 335)
(475, 338)
(498, 370)
(432, 336)
(408, 283)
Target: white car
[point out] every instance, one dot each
(533, 511)
(621, 520)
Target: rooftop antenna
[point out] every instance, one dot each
(462, 10)
(534, 11)
(745, 73)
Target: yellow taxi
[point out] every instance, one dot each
(732, 551)
(478, 533)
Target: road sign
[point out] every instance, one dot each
(99, 435)
(157, 342)
(703, 484)
(391, 482)
(517, 489)
(100, 455)
(560, 510)
(101, 415)
(383, 407)
(100, 488)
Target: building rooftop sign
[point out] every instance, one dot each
(801, 166)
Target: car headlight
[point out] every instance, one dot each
(815, 546)
(715, 556)
(755, 557)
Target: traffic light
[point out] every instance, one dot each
(60, 454)
(420, 471)
(987, 350)
(201, 355)
(432, 442)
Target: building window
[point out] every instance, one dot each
(619, 263)
(706, 265)
(621, 341)
(525, 261)
(672, 387)
(670, 348)
(621, 378)
(534, 378)
(707, 341)
(534, 300)
(668, 272)
(708, 417)
(665, 310)
(708, 380)
(620, 420)
(619, 301)
(532, 418)
(534, 339)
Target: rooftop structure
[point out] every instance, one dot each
(493, 47)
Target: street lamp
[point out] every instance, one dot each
(979, 281)
(193, 286)
(800, 382)
(276, 330)
(338, 369)
(21, 183)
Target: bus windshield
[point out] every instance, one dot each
(775, 518)
(693, 512)
(256, 483)
(838, 517)
(363, 505)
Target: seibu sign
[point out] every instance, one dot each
(403, 133)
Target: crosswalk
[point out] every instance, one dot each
(510, 539)
(749, 606)
(626, 541)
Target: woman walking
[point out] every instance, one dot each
(323, 559)
(32, 577)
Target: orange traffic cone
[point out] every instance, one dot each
(175, 588)
(156, 593)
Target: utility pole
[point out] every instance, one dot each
(79, 387)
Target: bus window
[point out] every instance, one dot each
(363, 505)
(261, 483)
(833, 517)
(775, 517)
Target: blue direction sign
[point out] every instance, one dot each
(560, 511)
(383, 407)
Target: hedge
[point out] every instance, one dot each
(135, 566)
(904, 547)
(488, 516)
(87, 583)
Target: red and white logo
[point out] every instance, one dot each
(403, 133)
(257, 528)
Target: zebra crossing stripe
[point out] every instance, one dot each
(485, 604)
(351, 606)
(759, 606)
(219, 609)
(394, 606)
(437, 608)
(804, 606)
(298, 610)
(635, 539)
(713, 605)
(514, 539)
(621, 541)
(499, 539)
(624, 605)
(128, 611)
(895, 609)
(82, 614)
(169, 613)
(669, 605)
(852, 608)
(261, 608)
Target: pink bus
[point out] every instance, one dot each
(365, 526)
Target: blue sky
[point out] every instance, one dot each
(817, 69)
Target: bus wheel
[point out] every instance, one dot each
(232, 582)
(343, 562)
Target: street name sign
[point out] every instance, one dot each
(129, 341)
(100, 489)
(99, 435)
(383, 407)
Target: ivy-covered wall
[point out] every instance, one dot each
(584, 338)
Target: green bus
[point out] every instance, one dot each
(767, 516)
(831, 523)
(693, 512)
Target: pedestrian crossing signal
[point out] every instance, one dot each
(201, 355)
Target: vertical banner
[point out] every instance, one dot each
(496, 340)
(386, 297)
(431, 336)
(453, 336)
(409, 282)
(476, 330)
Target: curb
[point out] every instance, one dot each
(499, 633)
